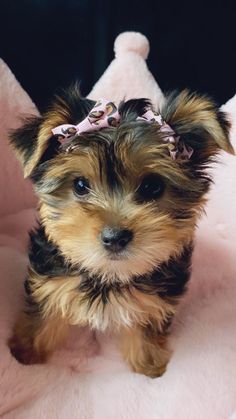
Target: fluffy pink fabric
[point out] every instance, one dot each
(128, 76)
(87, 378)
(16, 193)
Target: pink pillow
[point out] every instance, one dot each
(15, 192)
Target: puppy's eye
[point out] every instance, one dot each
(152, 187)
(81, 186)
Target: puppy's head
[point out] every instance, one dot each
(118, 205)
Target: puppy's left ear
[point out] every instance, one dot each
(199, 123)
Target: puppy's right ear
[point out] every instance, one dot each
(30, 145)
(34, 143)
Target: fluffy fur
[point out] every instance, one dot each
(136, 293)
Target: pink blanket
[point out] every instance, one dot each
(87, 379)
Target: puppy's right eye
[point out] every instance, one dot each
(81, 186)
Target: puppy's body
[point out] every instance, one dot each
(117, 218)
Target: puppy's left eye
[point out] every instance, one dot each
(152, 187)
(81, 186)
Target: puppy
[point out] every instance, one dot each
(120, 193)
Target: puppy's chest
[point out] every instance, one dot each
(113, 307)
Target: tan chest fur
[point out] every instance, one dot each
(62, 296)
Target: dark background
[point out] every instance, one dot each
(50, 43)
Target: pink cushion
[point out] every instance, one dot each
(15, 193)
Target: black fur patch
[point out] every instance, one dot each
(107, 163)
(133, 108)
(71, 100)
(46, 258)
(224, 122)
(42, 166)
(24, 139)
(170, 279)
(27, 287)
(94, 289)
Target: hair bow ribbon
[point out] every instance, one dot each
(102, 115)
(105, 114)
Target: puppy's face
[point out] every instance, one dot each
(118, 205)
(115, 206)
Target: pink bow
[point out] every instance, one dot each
(102, 115)
(176, 147)
(105, 114)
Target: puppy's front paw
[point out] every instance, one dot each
(146, 351)
(151, 370)
(24, 352)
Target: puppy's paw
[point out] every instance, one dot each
(150, 370)
(24, 352)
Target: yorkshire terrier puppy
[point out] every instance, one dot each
(120, 193)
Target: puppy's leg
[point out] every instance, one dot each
(144, 348)
(44, 326)
(34, 338)
(37, 333)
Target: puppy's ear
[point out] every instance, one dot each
(34, 143)
(199, 123)
(29, 145)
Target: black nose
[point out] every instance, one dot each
(114, 239)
